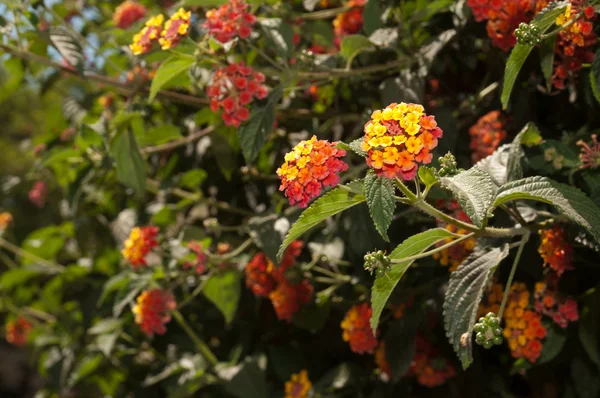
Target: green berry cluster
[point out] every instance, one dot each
(378, 262)
(528, 34)
(489, 332)
(448, 166)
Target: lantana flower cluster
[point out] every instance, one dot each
(555, 249)
(349, 22)
(230, 20)
(589, 155)
(39, 194)
(233, 88)
(140, 242)
(399, 138)
(486, 135)
(428, 366)
(298, 386)
(5, 220)
(310, 167)
(523, 327)
(168, 36)
(550, 302)
(152, 311)
(128, 13)
(357, 331)
(17, 331)
(267, 280)
(199, 258)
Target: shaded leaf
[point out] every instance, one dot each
(553, 344)
(353, 45)
(131, 167)
(379, 192)
(224, 290)
(85, 368)
(167, 71)
(372, 16)
(400, 345)
(245, 380)
(254, 132)
(514, 168)
(68, 46)
(589, 325)
(279, 34)
(547, 59)
(595, 76)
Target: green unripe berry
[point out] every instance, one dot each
(480, 328)
(379, 272)
(480, 338)
(497, 340)
(493, 322)
(497, 331)
(488, 344)
(481, 320)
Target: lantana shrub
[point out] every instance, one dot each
(301, 199)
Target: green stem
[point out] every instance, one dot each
(234, 253)
(193, 295)
(20, 252)
(406, 191)
(265, 56)
(436, 250)
(524, 240)
(200, 344)
(331, 274)
(563, 27)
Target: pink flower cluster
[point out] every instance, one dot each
(229, 20)
(39, 194)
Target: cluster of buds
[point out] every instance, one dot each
(488, 331)
(199, 258)
(229, 20)
(448, 165)
(528, 34)
(378, 262)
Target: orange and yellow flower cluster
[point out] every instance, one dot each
(486, 135)
(429, 367)
(152, 311)
(357, 331)
(349, 22)
(454, 255)
(267, 280)
(492, 300)
(128, 13)
(298, 386)
(555, 249)
(523, 327)
(229, 20)
(140, 242)
(550, 302)
(398, 138)
(311, 166)
(168, 37)
(17, 331)
(5, 220)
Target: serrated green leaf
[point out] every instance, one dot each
(372, 16)
(224, 291)
(379, 192)
(427, 175)
(495, 165)
(167, 71)
(384, 285)
(353, 45)
(547, 59)
(68, 46)
(253, 133)
(543, 20)
(569, 201)
(463, 296)
(514, 168)
(131, 167)
(326, 206)
(356, 147)
(474, 191)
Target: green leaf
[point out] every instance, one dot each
(85, 368)
(131, 167)
(570, 201)
(514, 167)
(589, 325)
(285, 360)
(279, 34)
(167, 71)
(372, 16)
(113, 284)
(400, 345)
(11, 83)
(595, 76)
(254, 132)
(356, 147)
(223, 154)
(519, 54)
(106, 325)
(224, 291)
(553, 344)
(158, 135)
(547, 59)
(353, 45)
(427, 176)
(245, 380)
(463, 296)
(326, 206)
(18, 276)
(474, 191)
(193, 179)
(379, 192)
(68, 46)
(384, 285)
(262, 231)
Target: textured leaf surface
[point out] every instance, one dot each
(464, 294)
(474, 191)
(68, 46)
(379, 192)
(384, 285)
(569, 201)
(326, 206)
(516, 155)
(253, 133)
(519, 54)
(495, 165)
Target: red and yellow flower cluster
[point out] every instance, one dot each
(298, 386)
(549, 302)
(5, 220)
(349, 22)
(555, 249)
(229, 20)
(311, 166)
(152, 311)
(398, 138)
(17, 331)
(486, 135)
(429, 367)
(233, 88)
(199, 258)
(168, 36)
(574, 42)
(128, 13)
(140, 242)
(357, 331)
(523, 327)
(266, 280)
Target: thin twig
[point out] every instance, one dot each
(180, 142)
